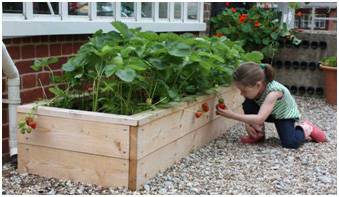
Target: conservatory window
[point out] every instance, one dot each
(163, 10)
(78, 8)
(12, 8)
(33, 18)
(48, 8)
(192, 11)
(146, 10)
(177, 10)
(105, 9)
(127, 9)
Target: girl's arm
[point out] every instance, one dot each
(264, 111)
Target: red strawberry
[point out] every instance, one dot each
(198, 114)
(32, 124)
(205, 107)
(221, 105)
(28, 120)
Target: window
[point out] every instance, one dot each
(192, 11)
(127, 9)
(13, 8)
(33, 18)
(177, 10)
(105, 9)
(163, 10)
(51, 8)
(77, 8)
(146, 10)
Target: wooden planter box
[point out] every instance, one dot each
(118, 150)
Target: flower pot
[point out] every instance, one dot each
(330, 79)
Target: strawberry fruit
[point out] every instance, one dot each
(205, 107)
(32, 124)
(198, 114)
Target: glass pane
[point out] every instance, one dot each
(177, 10)
(105, 9)
(127, 9)
(78, 8)
(12, 7)
(146, 10)
(163, 7)
(44, 7)
(192, 11)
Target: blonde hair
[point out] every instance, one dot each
(249, 73)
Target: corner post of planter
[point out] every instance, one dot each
(132, 171)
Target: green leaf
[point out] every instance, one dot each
(246, 27)
(266, 41)
(157, 63)
(126, 74)
(126, 51)
(68, 67)
(121, 27)
(136, 67)
(180, 50)
(254, 56)
(110, 70)
(117, 60)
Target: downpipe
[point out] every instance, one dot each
(13, 100)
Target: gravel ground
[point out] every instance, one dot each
(225, 166)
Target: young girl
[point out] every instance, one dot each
(267, 100)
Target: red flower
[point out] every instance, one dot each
(257, 24)
(299, 14)
(88, 87)
(227, 4)
(219, 35)
(234, 10)
(242, 18)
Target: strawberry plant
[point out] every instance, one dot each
(128, 71)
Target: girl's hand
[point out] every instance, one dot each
(250, 130)
(220, 111)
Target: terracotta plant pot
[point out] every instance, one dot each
(330, 77)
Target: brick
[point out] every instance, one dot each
(55, 49)
(68, 37)
(16, 40)
(36, 39)
(14, 52)
(7, 41)
(44, 38)
(4, 113)
(5, 146)
(53, 38)
(28, 96)
(44, 78)
(4, 84)
(28, 81)
(5, 130)
(27, 39)
(27, 51)
(41, 50)
(76, 47)
(24, 66)
(66, 49)
(60, 38)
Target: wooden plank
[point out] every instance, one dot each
(80, 115)
(149, 116)
(75, 166)
(79, 135)
(164, 157)
(169, 128)
(132, 175)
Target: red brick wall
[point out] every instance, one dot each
(24, 51)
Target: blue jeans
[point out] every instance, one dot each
(290, 136)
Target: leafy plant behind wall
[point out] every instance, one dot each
(257, 28)
(128, 71)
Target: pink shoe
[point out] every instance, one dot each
(315, 134)
(248, 139)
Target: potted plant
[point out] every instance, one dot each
(329, 67)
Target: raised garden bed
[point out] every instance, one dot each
(118, 150)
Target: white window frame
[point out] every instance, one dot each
(29, 24)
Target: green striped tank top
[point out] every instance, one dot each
(285, 107)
